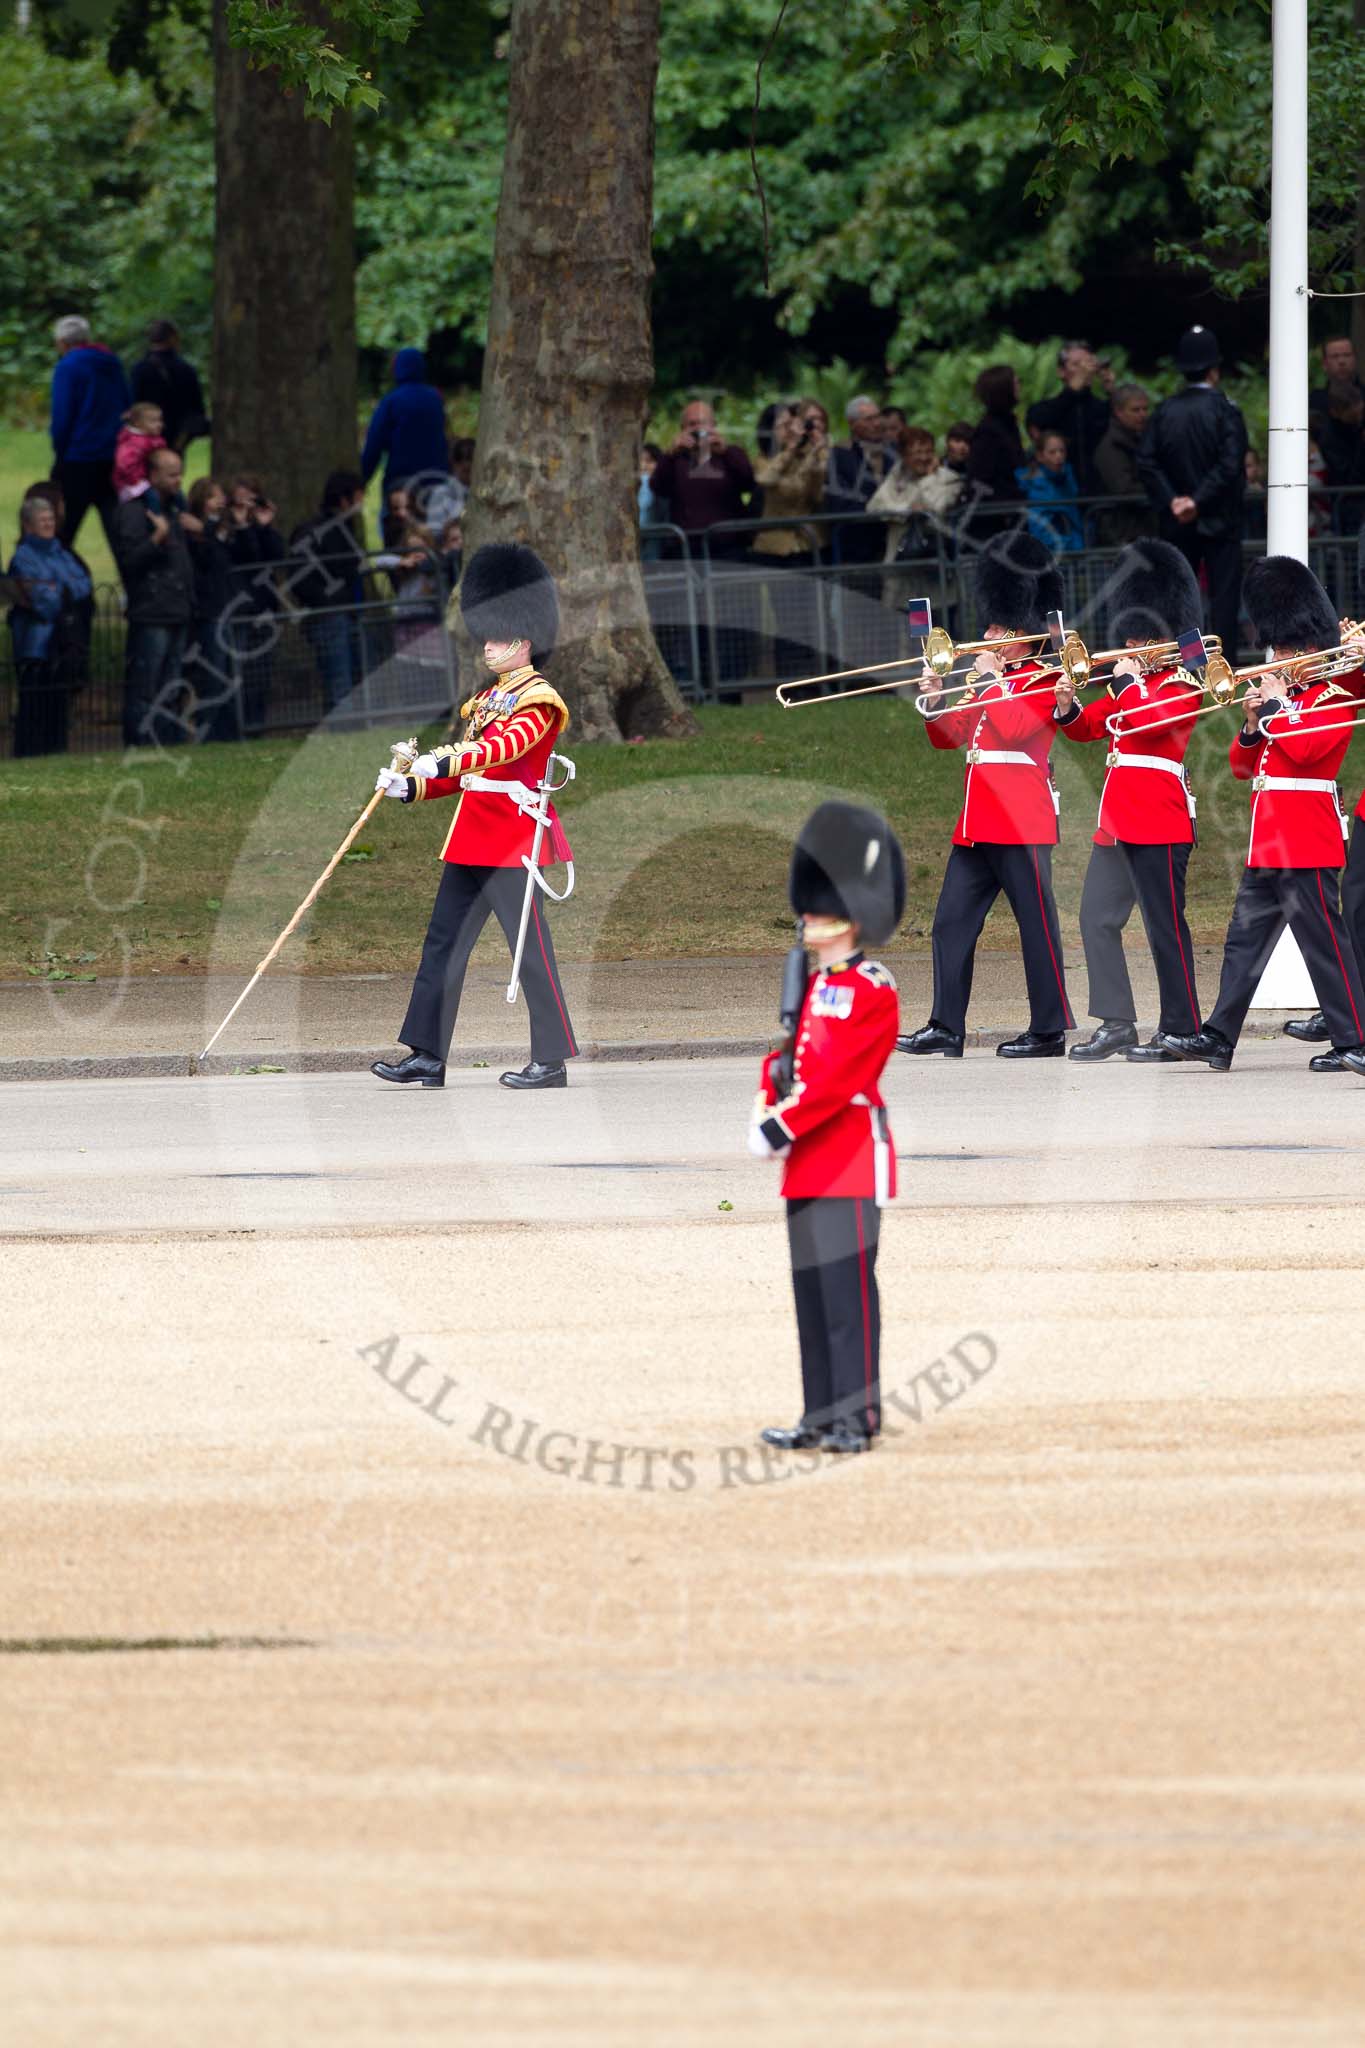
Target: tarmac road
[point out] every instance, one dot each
(530, 1704)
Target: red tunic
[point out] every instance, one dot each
(1145, 806)
(510, 732)
(1004, 803)
(834, 1119)
(1298, 828)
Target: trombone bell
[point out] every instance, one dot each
(1219, 680)
(939, 652)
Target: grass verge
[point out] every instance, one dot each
(177, 862)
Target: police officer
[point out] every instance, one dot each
(1192, 460)
(819, 1108)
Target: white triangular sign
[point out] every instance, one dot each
(1286, 983)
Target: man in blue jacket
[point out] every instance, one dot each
(89, 398)
(407, 432)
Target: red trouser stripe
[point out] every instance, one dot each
(1047, 934)
(867, 1317)
(1180, 943)
(1345, 977)
(553, 977)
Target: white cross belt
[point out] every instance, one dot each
(995, 757)
(1302, 782)
(1162, 761)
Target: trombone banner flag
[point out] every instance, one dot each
(919, 615)
(1193, 652)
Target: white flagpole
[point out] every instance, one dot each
(1286, 983)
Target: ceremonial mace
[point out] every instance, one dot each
(404, 753)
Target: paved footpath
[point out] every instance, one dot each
(623, 1009)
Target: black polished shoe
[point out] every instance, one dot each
(1153, 1052)
(802, 1438)
(422, 1067)
(932, 1038)
(536, 1075)
(1034, 1045)
(1355, 1060)
(1198, 1045)
(1112, 1036)
(1308, 1030)
(1335, 1061)
(844, 1439)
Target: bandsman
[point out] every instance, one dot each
(1145, 830)
(1298, 826)
(1008, 825)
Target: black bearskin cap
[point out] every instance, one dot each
(847, 862)
(1153, 594)
(1017, 583)
(507, 593)
(1288, 606)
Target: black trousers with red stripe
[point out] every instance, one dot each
(1353, 893)
(975, 876)
(833, 1242)
(1306, 900)
(466, 898)
(1153, 878)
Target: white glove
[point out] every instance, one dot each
(425, 764)
(392, 784)
(759, 1148)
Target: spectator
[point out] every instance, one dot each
(997, 452)
(450, 548)
(918, 497)
(1338, 365)
(1049, 488)
(1076, 411)
(140, 433)
(89, 398)
(158, 581)
(856, 468)
(462, 463)
(957, 448)
(1319, 503)
(210, 656)
(1343, 450)
(331, 587)
(256, 548)
(407, 431)
(705, 479)
(653, 510)
(894, 424)
(1116, 470)
(52, 585)
(79, 622)
(398, 515)
(164, 378)
(793, 481)
(1193, 463)
(1253, 502)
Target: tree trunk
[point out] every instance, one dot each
(569, 362)
(284, 350)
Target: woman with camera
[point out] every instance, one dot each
(792, 472)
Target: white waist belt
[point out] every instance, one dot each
(1116, 760)
(1305, 782)
(523, 796)
(995, 758)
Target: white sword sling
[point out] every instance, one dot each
(534, 804)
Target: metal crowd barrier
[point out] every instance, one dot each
(267, 666)
(729, 615)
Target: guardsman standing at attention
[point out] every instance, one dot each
(819, 1109)
(1146, 817)
(1007, 828)
(1298, 826)
(508, 600)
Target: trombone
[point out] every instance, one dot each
(1076, 662)
(1321, 666)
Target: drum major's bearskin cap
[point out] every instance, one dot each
(847, 862)
(1017, 583)
(1153, 593)
(507, 593)
(1288, 606)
